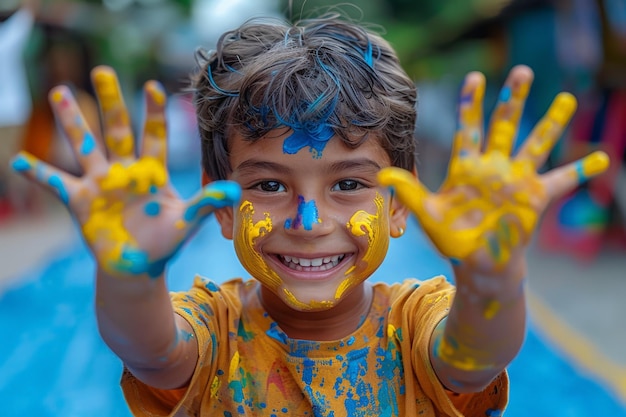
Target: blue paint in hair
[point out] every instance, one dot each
(314, 134)
(218, 88)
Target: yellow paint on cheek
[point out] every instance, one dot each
(249, 232)
(375, 228)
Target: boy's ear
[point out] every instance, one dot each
(398, 215)
(225, 218)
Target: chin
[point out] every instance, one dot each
(306, 303)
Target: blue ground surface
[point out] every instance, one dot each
(53, 363)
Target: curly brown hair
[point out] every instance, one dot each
(326, 76)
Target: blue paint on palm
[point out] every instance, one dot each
(152, 208)
(137, 262)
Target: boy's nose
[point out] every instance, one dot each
(306, 218)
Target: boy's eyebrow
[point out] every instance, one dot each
(358, 163)
(254, 165)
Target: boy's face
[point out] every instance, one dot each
(311, 227)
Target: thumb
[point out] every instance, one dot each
(410, 191)
(213, 196)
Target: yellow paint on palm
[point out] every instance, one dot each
(374, 227)
(104, 229)
(115, 114)
(249, 232)
(503, 224)
(140, 176)
(106, 224)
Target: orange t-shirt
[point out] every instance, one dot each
(248, 366)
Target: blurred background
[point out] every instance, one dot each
(52, 362)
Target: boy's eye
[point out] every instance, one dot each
(347, 185)
(270, 186)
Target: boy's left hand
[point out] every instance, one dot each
(489, 204)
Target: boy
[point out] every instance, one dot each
(308, 152)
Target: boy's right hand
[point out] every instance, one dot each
(129, 213)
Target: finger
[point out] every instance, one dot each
(468, 137)
(154, 137)
(410, 191)
(508, 111)
(75, 129)
(51, 178)
(118, 134)
(546, 133)
(213, 196)
(561, 180)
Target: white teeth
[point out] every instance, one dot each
(318, 263)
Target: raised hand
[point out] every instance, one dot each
(489, 204)
(129, 213)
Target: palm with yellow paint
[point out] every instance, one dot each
(490, 201)
(130, 214)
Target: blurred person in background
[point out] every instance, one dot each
(64, 58)
(592, 46)
(15, 106)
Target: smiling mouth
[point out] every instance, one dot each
(311, 264)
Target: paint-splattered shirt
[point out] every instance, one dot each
(248, 366)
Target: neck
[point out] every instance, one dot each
(334, 323)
